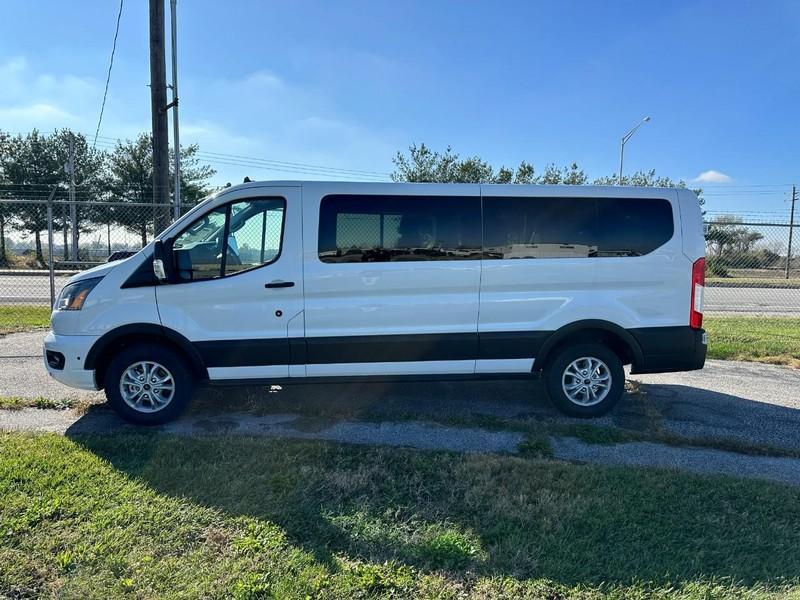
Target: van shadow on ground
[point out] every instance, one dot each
(475, 514)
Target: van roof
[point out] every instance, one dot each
(560, 188)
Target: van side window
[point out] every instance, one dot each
(230, 239)
(631, 227)
(399, 228)
(539, 227)
(254, 238)
(574, 227)
(198, 250)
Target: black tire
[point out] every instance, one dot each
(554, 372)
(164, 356)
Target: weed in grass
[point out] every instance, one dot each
(595, 434)
(18, 402)
(535, 445)
(12, 402)
(451, 549)
(252, 586)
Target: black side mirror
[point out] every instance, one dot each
(159, 264)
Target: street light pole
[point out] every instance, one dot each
(625, 138)
(177, 143)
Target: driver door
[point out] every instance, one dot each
(237, 289)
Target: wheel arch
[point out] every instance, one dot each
(621, 341)
(101, 353)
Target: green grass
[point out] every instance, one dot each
(156, 516)
(18, 402)
(15, 318)
(764, 339)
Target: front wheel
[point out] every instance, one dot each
(148, 384)
(585, 380)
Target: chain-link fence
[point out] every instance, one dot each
(44, 242)
(753, 266)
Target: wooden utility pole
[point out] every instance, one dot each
(791, 231)
(158, 109)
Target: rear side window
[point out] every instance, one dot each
(631, 227)
(574, 227)
(399, 228)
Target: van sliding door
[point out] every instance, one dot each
(391, 280)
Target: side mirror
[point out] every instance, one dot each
(159, 268)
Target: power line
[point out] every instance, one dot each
(108, 76)
(271, 164)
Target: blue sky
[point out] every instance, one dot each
(346, 84)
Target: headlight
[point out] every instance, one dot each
(74, 295)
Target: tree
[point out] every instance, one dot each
(425, 165)
(31, 164)
(130, 181)
(648, 179)
(6, 210)
(90, 165)
(194, 175)
(734, 245)
(34, 164)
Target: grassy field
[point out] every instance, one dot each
(151, 516)
(764, 339)
(14, 318)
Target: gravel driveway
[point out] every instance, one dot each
(746, 402)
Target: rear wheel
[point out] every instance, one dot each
(148, 384)
(585, 380)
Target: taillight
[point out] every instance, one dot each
(698, 285)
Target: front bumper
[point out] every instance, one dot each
(73, 349)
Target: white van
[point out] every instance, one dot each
(280, 282)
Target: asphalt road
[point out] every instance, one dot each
(748, 402)
(752, 300)
(28, 289)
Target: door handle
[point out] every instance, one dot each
(279, 284)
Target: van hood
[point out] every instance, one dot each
(98, 271)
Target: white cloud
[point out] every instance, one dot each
(33, 99)
(264, 115)
(259, 114)
(712, 176)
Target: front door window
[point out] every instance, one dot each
(230, 239)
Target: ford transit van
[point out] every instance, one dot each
(278, 282)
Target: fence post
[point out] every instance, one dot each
(791, 231)
(50, 247)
